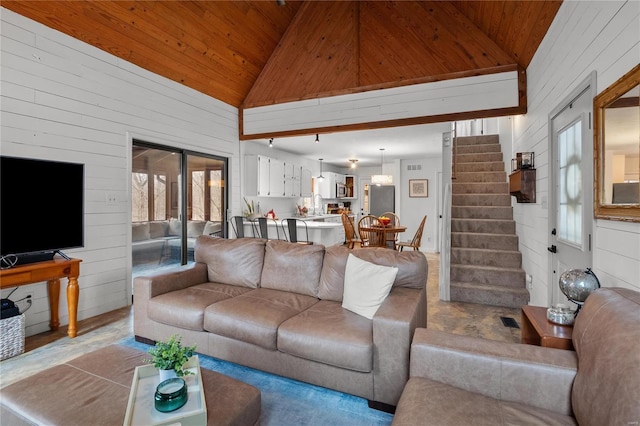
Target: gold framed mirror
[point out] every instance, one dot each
(616, 147)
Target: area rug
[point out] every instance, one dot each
(290, 402)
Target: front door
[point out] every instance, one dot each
(571, 214)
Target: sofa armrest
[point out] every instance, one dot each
(147, 287)
(532, 375)
(394, 323)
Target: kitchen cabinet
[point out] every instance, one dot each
(306, 183)
(292, 180)
(264, 176)
(327, 187)
(352, 189)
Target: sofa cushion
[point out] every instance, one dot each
(231, 261)
(302, 263)
(366, 286)
(175, 227)
(427, 402)
(606, 337)
(140, 231)
(158, 228)
(329, 334)
(195, 228)
(185, 308)
(412, 268)
(254, 317)
(212, 228)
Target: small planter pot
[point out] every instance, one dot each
(167, 374)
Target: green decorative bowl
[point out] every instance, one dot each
(171, 395)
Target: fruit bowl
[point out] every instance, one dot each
(384, 220)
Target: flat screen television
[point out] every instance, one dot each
(41, 208)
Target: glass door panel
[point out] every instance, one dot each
(160, 239)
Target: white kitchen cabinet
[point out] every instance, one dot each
(264, 176)
(327, 187)
(292, 180)
(306, 183)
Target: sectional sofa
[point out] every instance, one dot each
(338, 318)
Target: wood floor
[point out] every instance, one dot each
(53, 347)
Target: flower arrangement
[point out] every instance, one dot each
(170, 355)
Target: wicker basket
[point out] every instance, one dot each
(11, 336)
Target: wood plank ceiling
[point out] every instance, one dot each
(250, 53)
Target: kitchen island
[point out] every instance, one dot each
(323, 229)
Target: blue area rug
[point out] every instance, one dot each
(290, 402)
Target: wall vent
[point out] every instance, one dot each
(414, 167)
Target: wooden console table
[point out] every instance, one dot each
(50, 271)
(538, 330)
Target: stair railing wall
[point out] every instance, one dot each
(445, 246)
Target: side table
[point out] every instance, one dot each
(538, 330)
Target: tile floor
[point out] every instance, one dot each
(453, 317)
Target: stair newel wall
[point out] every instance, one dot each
(448, 167)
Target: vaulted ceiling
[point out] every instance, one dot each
(251, 53)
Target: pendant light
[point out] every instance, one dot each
(317, 138)
(381, 179)
(320, 177)
(271, 143)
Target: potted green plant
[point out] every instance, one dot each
(170, 355)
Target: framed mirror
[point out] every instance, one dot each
(617, 149)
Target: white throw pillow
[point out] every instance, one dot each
(366, 285)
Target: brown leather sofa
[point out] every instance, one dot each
(459, 380)
(277, 306)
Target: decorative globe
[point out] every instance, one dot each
(577, 284)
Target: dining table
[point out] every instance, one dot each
(378, 233)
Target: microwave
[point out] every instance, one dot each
(341, 190)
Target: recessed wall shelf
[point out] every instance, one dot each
(522, 185)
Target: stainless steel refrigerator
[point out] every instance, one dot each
(382, 199)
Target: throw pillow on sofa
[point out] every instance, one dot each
(366, 286)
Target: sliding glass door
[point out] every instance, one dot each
(161, 200)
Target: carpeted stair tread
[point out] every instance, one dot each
(489, 226)
(482, 212)
(478, 157)
(487, 166)
(480, 188)
(480, 200)
(474, 149)
(495, 275)
(510, 297)
(485, 241)
(477, 140)
(482, 176)
(486, 257)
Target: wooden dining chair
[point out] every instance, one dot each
(371, 236)
(417, 238)
(351, 236)
(392, 238)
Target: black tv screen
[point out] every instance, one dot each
(41, 206)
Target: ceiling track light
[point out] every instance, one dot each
(320, 177)
(353, 162)
(317, 138)
(271, 143)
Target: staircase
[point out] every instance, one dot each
(486, 266)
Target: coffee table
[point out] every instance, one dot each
(94, 389)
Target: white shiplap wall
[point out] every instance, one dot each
(65, 100)
(484, 92)
(585, 36)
